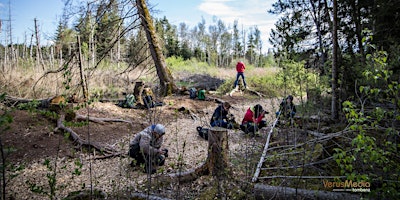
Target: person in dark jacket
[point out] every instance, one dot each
(253, 120)
(240, 68)
(145, 148)
(221, 116)
(287, 109)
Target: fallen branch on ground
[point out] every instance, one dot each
(101, 120)
(106, 151)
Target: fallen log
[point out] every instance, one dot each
(15, 101)
(101, 120)
(275, 192)
(186, 176)
(105, 150)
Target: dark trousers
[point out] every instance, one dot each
(141, 158)
(238, 75)
(222, 123)
(252, 127)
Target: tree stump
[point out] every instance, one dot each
(218, 151)
(137, 91)
(216, 164)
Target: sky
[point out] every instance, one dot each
(249, 13)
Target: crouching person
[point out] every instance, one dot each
(254, 120)
(145, 148)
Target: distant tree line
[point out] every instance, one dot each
(111, 30)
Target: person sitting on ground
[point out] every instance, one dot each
(253, 120)
(287, 109)
(221, 116)
(145, 148)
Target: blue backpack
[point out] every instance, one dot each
(193, 93)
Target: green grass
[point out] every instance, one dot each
(177, 64)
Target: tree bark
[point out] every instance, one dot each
(167, 84)
(83, 85)
(218, 149)
(216, 163)
(334, 105)
(137, 92)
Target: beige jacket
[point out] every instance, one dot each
(147, 142)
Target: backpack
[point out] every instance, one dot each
(129, 101)
(201, 95)
(192, 93)
(203, 132)
(148, 101)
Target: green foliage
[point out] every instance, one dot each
(294, 78)
(5, 117)
(77, 171)
(31, 107)
(49, 191)
(372, 155)
(265, 84)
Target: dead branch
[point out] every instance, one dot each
(14, 101)
(299, 166)
(216, 163)
(185, 177)
(101, 120)
(63, 67)
(255, 92)
(108, 151)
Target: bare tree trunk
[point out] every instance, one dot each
(83, 85)
(167, 84)
(12, 53)
(38, 51)
(335, 112)
(30, 48)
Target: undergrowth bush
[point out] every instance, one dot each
(372, 155)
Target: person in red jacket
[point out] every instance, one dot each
(253, 119)
(240, 67)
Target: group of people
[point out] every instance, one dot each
(145, 148)
(253, 119)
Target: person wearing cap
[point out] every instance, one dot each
(240, 67)
(145, 148)
(286, 109)
(253, 120)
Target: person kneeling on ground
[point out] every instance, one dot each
(145, 148)
(253, 120)
(287, 109)
(221, 117)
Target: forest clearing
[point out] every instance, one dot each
(315, 117)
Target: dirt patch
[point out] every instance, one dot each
(32, 140)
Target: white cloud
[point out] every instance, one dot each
(248, 13)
